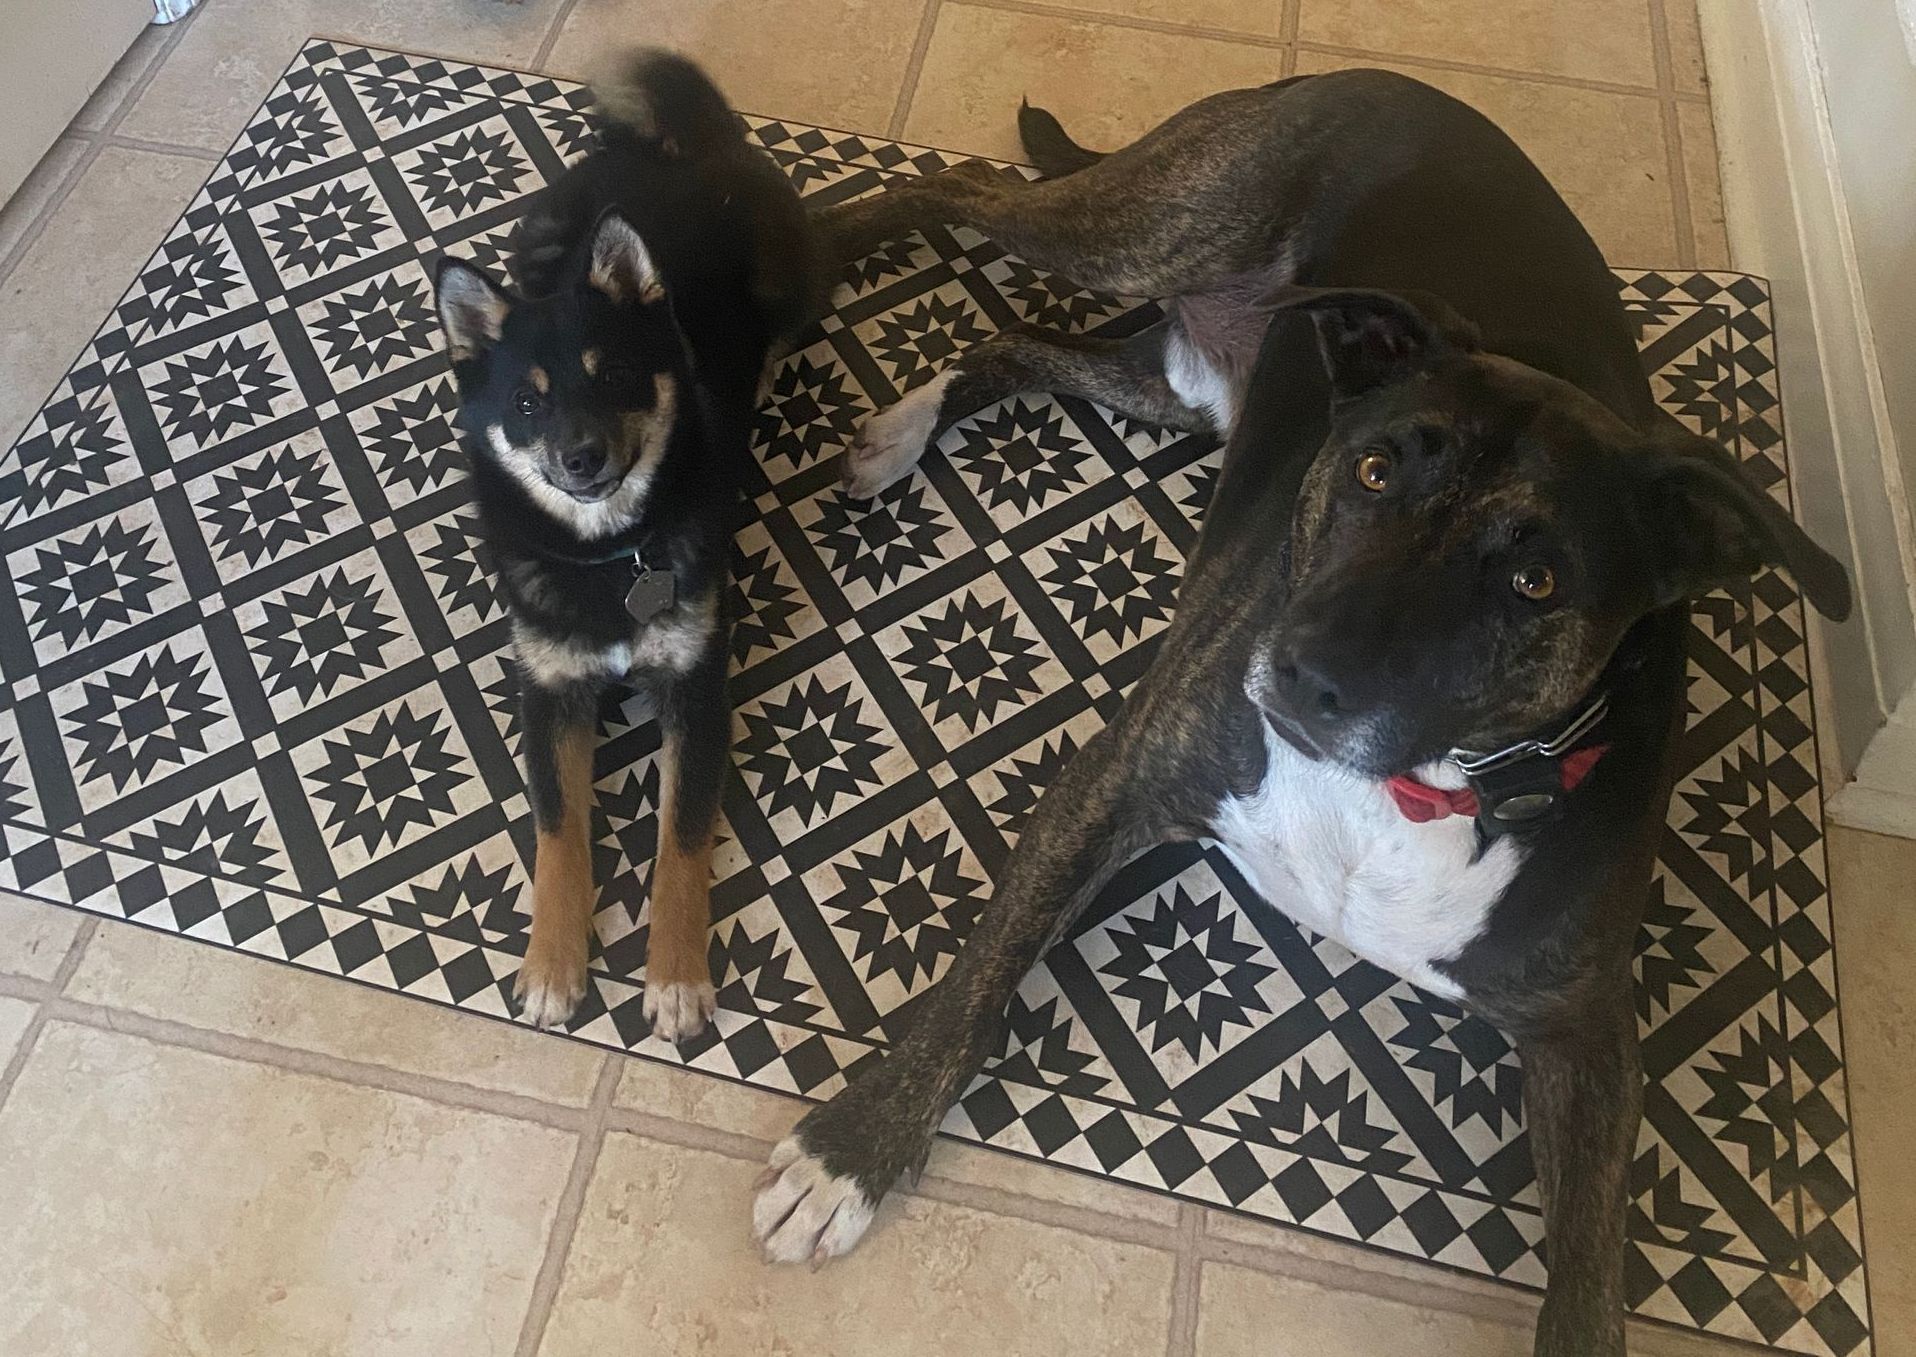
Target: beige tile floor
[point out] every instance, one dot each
(205, 1154)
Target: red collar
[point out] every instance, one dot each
(1420, 802)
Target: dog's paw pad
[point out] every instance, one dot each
(678, 1011)
(805, 1214)
(889, 444)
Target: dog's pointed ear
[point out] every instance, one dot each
(622, 267)
(472, 308)
(1369, 337)
(1711, 524)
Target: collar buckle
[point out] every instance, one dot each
(1522, 785)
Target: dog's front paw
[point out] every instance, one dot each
(550, 984)
(890, 443)
(804, 1212)
(679, 1011)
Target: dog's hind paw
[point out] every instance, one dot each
(890, 443)
(804, 1213)
(679, 1011)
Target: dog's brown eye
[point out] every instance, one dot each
(1373, 471)
(1535, 582)
(527, 401)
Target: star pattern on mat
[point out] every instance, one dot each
(311, 638)
(111, 573)
(809, 751)
(968, 661)
(1187, 971)
(908, 904)
(258, 688)
(156, 712)
(230, 385)
(388, 778)
(310, 233)
(258, 507)
(469, 170)
(368, 329)
(1024, 457)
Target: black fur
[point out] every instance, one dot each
(1375, 269)
(652, 281)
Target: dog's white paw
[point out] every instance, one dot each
(890, 443)
(548, 997)
(679, 1011)
(805, 1214)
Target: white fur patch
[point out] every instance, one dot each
(891, 441)
(804, 1213)
(1197, 381)
(679, 1011)
(1332, 851)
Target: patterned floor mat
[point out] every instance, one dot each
(258, 693)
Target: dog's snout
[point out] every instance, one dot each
(1308, 690)
(585, 461)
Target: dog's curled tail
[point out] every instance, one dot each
(661, 98)
(1049, 145)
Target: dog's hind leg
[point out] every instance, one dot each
(1198, 200)
(1128, 375)
(1059, 225)
(695, 721)
(559, 729)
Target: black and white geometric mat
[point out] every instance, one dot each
(258, 693)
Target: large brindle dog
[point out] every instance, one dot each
(1427, 674)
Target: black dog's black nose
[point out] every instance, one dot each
(1309, 692)
(584, 462)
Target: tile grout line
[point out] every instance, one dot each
(1287, 23)
(1278, 41)
(339, 1069)
(551, 39)
(98, 141)
(1678, 171)
(1500, 72)
(1481, 1297)
(1138, 22)
(1181, 1340)
(1469, 1295)
(565, 1218)
(69, 963)
(914, 68)
(171, 148)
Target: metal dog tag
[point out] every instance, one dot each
(651, 594)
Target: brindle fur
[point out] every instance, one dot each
(1512, 373)
(656, 276)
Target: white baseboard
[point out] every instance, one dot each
(1789, 220)
(1883, 796)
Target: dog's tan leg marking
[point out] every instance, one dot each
(552, 980)
(679, 996)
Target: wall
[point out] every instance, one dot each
(53, 54)
(1869, 80)
(1815, 108)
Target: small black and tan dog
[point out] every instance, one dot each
(1427, 672)
(606, 411)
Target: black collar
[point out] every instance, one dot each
(1524, 785)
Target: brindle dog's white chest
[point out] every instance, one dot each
(1333, 852)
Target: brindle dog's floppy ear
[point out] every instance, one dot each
(472, 308)
(1711, 524)
(622, 267)
(1369, 337)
